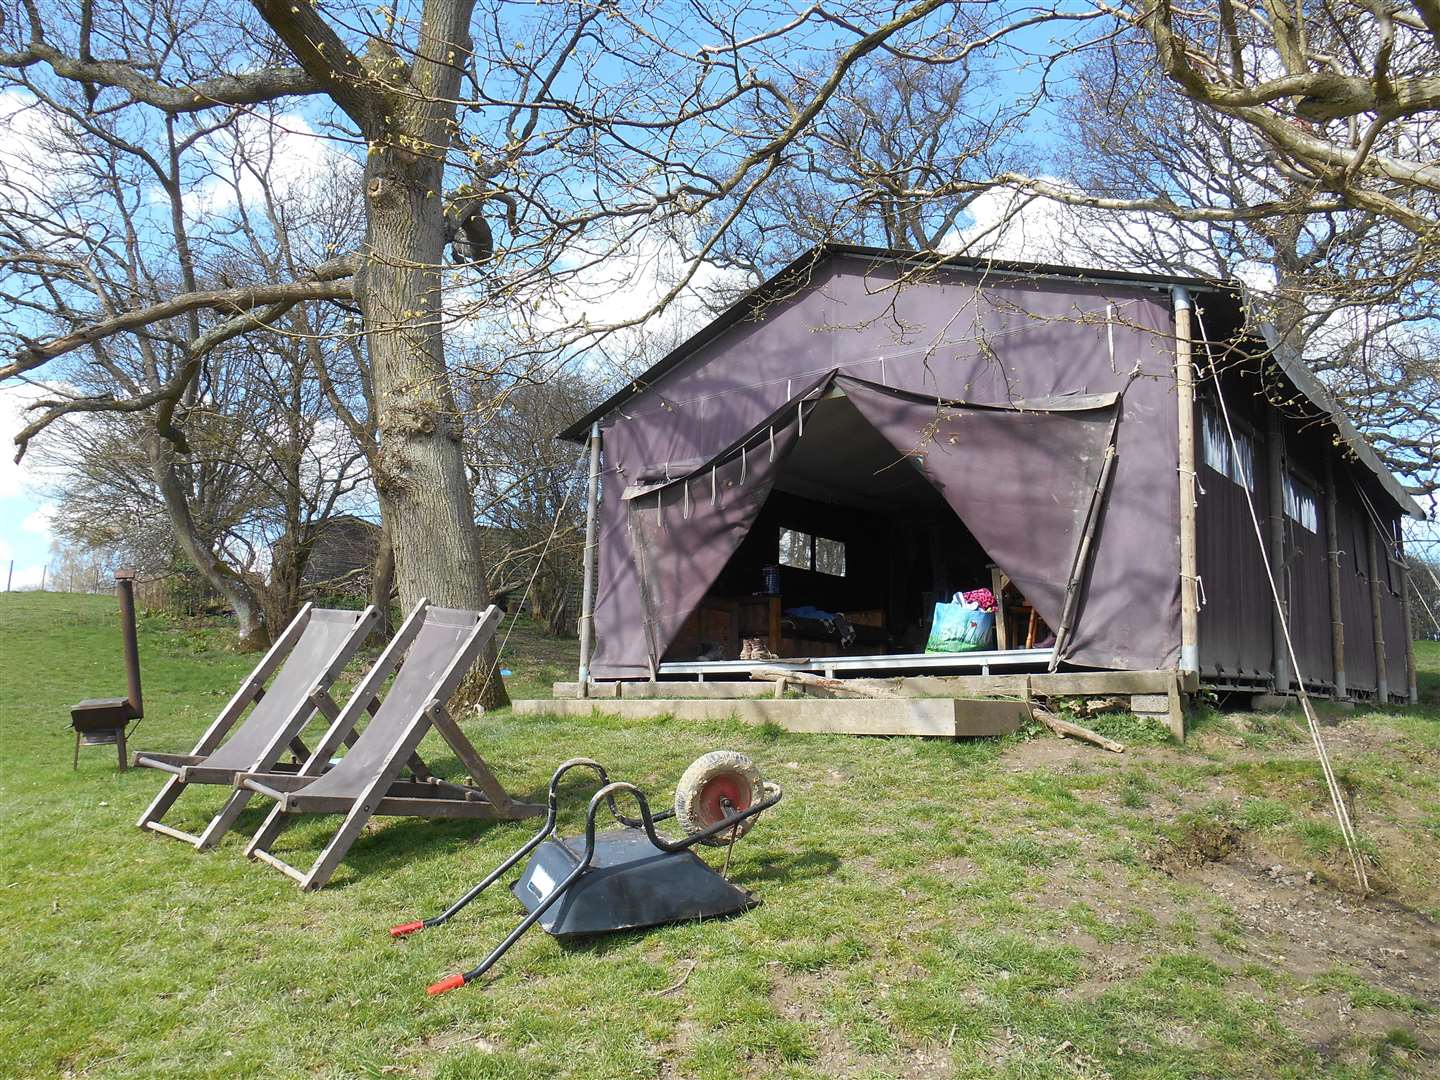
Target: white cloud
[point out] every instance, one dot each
(583, 308)
(14, 400)
(1011, 224)
(23, 576)
(285, 147)
(41, 522)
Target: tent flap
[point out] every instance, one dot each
(996, 466)
(683, 531)
(1021, 481)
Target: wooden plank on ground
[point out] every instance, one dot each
(671, 689)
(944, 717)
(1060, 684)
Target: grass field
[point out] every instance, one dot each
(1026, 907)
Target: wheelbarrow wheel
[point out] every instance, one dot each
(710, 781)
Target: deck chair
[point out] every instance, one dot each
(440, 646)
(310, 655)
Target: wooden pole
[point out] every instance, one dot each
(1413, 687)
(1382, 675)
(1275, 471)
(587, 595)
(1185, 404)
(1332, 541)
(1063, 727)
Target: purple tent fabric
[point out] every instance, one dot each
(684, 530)
(1020, 480)
(1028, 503)
(954, 336)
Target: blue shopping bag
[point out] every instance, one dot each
(958, 626)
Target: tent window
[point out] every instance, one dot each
(795, 548)
(1239, 465)
(806, 552)
(1217, 445)
(1242, 465)
(830, 557)
(1301, 503)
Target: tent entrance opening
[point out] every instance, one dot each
(848, 557)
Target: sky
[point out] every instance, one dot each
(24, 512)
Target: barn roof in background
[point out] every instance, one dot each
(797, 275)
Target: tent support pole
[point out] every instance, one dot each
(1413, 687)
(1382, 669)
(1185, 402)
(1082, 551)
(1275, 483)
(587, 594)
(1337, 614)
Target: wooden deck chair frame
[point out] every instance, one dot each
(385, 794)
(191, 768)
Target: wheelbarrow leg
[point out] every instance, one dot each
(405, 929)
(454, 982)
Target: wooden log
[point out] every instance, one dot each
(781, 676)
(1075, 731)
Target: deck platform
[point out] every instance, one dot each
(982, 663)
(1157, 694)
(939, 717)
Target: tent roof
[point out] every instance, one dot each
(796, 276)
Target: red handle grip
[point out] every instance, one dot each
(450, 982)
(406, 928)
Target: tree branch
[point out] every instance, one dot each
(251, 88)
(327, 59)
(324, 284)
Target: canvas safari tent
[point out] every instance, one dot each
(867, 433)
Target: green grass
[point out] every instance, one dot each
(964, 909)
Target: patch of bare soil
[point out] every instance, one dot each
(798, 997)
(682, 1037)
(1202, 842)
(1308, 929)
(1053, 752)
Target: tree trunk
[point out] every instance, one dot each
(425, 499)
(382, 581)
(254, 636)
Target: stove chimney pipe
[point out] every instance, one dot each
(125, 589)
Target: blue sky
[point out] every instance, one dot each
(24, 512)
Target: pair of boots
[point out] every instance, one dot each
(755, 649)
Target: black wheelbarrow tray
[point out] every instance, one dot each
(630, 877)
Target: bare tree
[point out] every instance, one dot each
(529, 488)
(1351, 290)
(262, 462)
(891, 131)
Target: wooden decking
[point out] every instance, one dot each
(947, 705)
(945, 717)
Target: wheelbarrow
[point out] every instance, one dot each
(630, 877)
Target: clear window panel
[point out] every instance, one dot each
(1301, 504)
(1242, 467)
(795, 549)
(830, 556)
(1216, 442)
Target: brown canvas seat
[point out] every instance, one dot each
(440, 645)
(309, 656)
